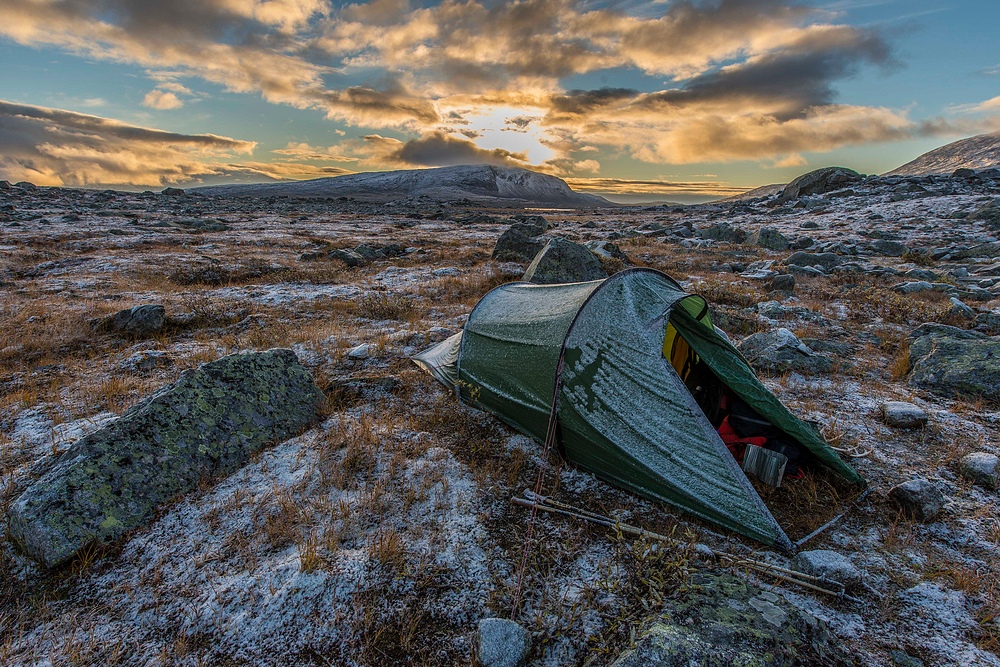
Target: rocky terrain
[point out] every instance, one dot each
(372, 524)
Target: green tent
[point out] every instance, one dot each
(602, 350)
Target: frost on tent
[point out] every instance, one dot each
(609, 349)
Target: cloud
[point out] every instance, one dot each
(57, 147)
(162, 100)
(744, 79)
(435, 149)
(624, 186)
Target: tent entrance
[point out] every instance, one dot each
(757, 444)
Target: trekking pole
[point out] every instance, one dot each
(792, 576)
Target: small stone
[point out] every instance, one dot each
(828, 565)
(348, 257)
(784, 282)
(502, 643)
(139, 321)
(960, 309)
(768, 237)
(362, 351)
(981, 468)
(903, 415)
(919, 499)
(901, 659)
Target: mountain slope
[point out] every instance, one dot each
(482, 184)
(979, 152)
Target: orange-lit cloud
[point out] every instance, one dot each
(742, 79)
(56, 147)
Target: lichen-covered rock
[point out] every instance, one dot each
(768, 237)
(138, 321)
(723, 620)
(209, 422)
(918, 499)
(819, 182)
(502, 643)
(780, 351)
(950, 361)
(562, 261)
(519, 243)
(783, 282)
(981, 468)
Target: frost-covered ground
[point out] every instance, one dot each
(385, 533)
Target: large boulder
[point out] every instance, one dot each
(725, 620)
(780, 351)
(949, 361)
(562, 261)
(519, 243)
(819, 182)
(208, 423)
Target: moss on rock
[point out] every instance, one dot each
(209, 422)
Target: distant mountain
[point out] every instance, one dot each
(482, 184)
(979, 152)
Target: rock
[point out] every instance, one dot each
(902, 659)
(889, 248)
(826, 260)
(918, 499)
(963, 172)
(925, 275)
(819, 182)
(208, 423)
(779, 351)
(912, 287)
(768, 237)
(722, 231)
(961, 310)
(990, 213)
(723, 620)
(950, 361)
(519, 243)
(903, 415)
(4, 185)
(362, 351)
(606, 250)
(828, 565)
(502, 643)
(562, 261)
(172, 192)
(981, 468)
(145, 360)
(139, 321)
(348, 257)
(533, 225)
(784, 282)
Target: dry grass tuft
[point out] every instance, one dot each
(385, 306)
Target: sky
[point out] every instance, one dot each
(661, 100)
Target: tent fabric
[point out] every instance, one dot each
(623, 412)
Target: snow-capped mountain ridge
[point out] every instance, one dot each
(480, 183)
(979, 152)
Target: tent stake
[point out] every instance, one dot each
(833, 520)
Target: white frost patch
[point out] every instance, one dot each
(938, 621)
(285, 293)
